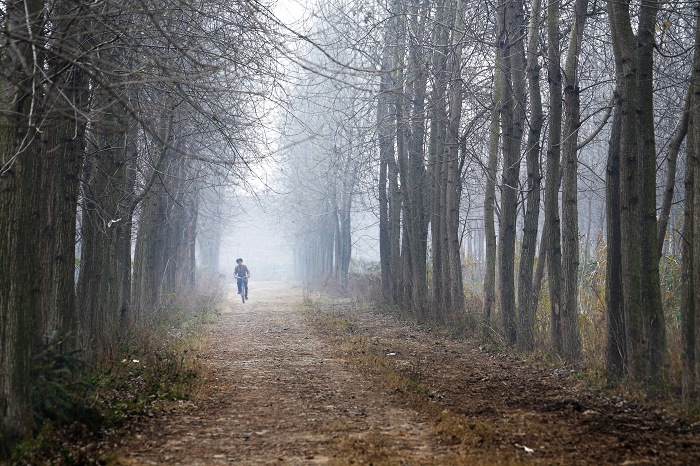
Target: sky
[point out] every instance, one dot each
(291, 11)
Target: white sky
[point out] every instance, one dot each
(291, 11)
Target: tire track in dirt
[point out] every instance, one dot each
(277, 394)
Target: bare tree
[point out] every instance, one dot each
(490, 198)
(512, 56)
(553, 177)
(571, 344)
(526, 304)
(20, 174)
(644, 320)
(690, 323)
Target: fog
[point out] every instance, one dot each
(257, 235)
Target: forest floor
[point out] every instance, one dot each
(289, 383)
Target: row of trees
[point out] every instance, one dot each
(119, 123)
(516, 110)
(326, 164)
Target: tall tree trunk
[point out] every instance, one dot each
(526, 306)
(182, 219)
(395, 202)
(395, 193)
(689, 335)
(571, 342)
(150, 260)
(453, 165)
(512, 121)
(551, 198)
(186, 231)
(654, 321)
(346, 174)
(626, 66)
(20, 204)
(415, 181)
(490, 197)
(209, 237)
(345, 240)
(690, 323)
(616, 346)
(103, 286)
(644, 321)
(674, 147)
(386, 152)
(438, 125)
(539, 270)
(402, 130)
(67, 100)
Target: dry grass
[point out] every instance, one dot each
(151, 368)
(403, 380)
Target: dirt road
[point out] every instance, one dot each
(285, 389)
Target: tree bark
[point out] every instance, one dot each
(453, 165)
(690, 323)
(151, 250)
(438, 125)
(571, 341)
(209, 237)
(416, 191)
(67, 101)
(689, 335)
(654, 321)
(553, 181)
(512, 121)
(490, 197)
(526, 307)
(20, 210)
(103, 286)
(616, 346)
(674, 148)
(386, 150)
(644, 320)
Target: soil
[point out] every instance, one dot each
(332, 384)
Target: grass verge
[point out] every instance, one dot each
(81, 411)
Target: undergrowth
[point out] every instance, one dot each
(154, 367)
(364, 292)
(407, 377)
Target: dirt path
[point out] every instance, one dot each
(278, 394)
(281, 390)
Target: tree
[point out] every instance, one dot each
(108, 201)
(211, 225)
(67, 100)
(20, 174)
(526, 304)
(616, 347)
(436, 159)
(690, 323)
(553, 176)
(411, 115)
(490, 197)
(326, 156)
(453, 162)
(389, 198)
(571, 345)
(512, 62)
(644, 320)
